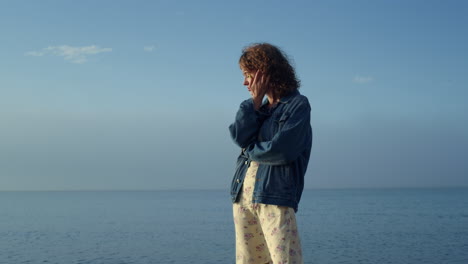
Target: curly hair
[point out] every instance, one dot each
(273, 62)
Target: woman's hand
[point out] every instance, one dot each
(258, 88)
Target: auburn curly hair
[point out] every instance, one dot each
(273, 62)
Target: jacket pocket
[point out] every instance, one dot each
(279, 182)
(279, 121)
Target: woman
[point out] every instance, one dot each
(276, 139)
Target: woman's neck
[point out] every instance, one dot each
(271, 101)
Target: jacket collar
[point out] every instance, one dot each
(283, 100)
(287, 98)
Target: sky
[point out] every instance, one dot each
(138, 95)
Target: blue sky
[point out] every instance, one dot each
(111, 95)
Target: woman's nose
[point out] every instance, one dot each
(246, 82)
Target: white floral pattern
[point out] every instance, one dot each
(264, 233)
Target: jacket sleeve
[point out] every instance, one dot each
(247, 124)
(288, 143)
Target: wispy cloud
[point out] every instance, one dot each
(34, 53)
(70, 53)
(149, 48)
(362, 79)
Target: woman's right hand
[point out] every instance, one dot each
(258, 88)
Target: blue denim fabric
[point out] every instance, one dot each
(280, 140)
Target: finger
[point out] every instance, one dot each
(267, 80)
(254, 84)
(264, 82)
(255, 79)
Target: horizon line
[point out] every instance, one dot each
(227, 189)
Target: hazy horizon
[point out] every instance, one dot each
(225, 189)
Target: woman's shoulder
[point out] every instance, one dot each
(297, 99)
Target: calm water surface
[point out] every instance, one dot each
(337, 226)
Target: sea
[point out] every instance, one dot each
(366, 226)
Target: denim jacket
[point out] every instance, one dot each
(280, 140)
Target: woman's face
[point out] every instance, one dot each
(248, 78)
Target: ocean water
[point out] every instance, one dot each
(420, 226)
